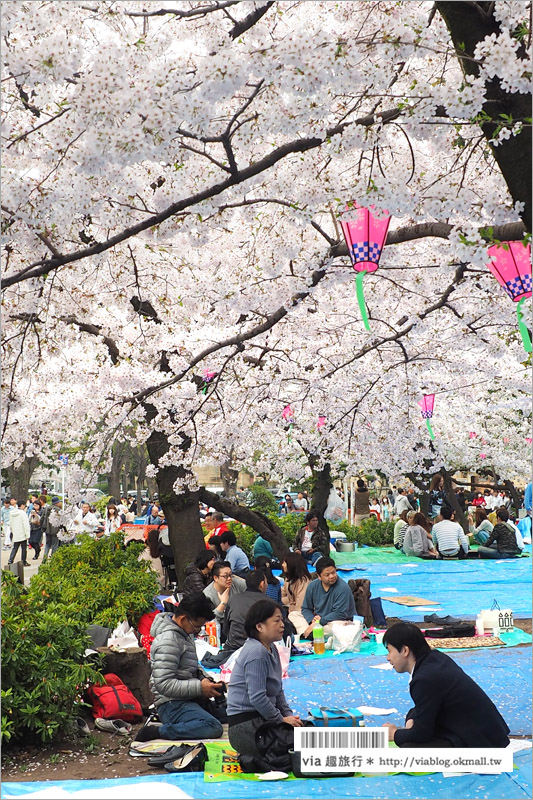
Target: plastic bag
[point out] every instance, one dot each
(284, 650)
(336, 508)
(227, 667)
(346, 636)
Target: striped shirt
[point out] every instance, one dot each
(448, 536)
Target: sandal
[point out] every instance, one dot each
(192, 761)
(113, 726)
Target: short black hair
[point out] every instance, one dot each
(446, 512)
(361, 483)
(323, 563)
(259, 612)
(254, 578)
(502, 514)
(311, 515)
(195, 606)
(405, 634)
(204, 558)
(218, 566)
(228, 537)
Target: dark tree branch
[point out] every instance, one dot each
(248, 22)
(95, 330)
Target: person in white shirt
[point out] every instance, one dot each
(448, 537)
(401, 503)
(300, 504)
(84, 521)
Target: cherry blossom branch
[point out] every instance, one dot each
(192, 13)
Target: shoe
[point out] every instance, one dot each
(150, 730)
(35, 558)
(192, 761)
(171, 754)
(26, 564)
(83, 728)
(9, 563)
(113, 726)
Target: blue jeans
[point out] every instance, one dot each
(183, 719)
(313, 558)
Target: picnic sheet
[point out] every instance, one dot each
(514, 786)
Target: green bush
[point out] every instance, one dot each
(101, 505)
(97, 581)
(371, 532)
(43, 674)
(262, 500)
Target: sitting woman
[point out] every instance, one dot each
(256, 697)
(482, 528)
(198, 575)
(273, 585)
(502, 542)
(152, 554)
(296, 577)
(400, 528)
(417, 541)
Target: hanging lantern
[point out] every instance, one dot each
(483, 456)
(426, 407)
(288, 416)
(321, 421)
(472, 435)
(511, 266)
(529, 440)
(208, 376)
(365, 235)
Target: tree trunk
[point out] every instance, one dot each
(20, 477)
(453, 501)
(259, 522)
(468, 24)
(113, 476)
(181, 511)
(229, 477)
(322, 485)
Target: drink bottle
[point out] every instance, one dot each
(318, 639)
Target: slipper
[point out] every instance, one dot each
(113, 726)
(192, 761)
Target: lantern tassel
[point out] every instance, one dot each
(361, 297)
(289, 435)
(430, 429)
(522, 327)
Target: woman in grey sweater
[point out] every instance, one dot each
(255, 692)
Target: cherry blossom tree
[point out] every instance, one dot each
(173, 270)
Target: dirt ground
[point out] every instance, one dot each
(99, 755)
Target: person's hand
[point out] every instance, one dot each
(298, 551)
(391, 730)
(210, 689)
(293, 720)
(409, 723)
(224, 597)
(309, 628)
(311, 550)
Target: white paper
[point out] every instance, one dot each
(388, 589)
(425, 608)
(203, 647)
(376, 711)
(382, 666)
(411, 565)
(520, 744)
(390, 574)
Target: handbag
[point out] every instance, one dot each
(323, 717)
(273, 740)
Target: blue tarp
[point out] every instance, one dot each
(508, 786)
(462, 588)
(503, 673)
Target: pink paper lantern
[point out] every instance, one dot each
(365, 235)
(511, 266)
(506, 440)
(483, 455)
(208, 375)
(426, 405)
(288, 414)
(321, 421)
(472, 435)
(529, 440)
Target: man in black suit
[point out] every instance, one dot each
(450, 709)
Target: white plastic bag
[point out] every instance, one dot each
(346, 636)
(336, 508)
(284, 650)
(227, 667)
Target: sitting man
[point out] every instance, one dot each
(237, 558)
(448, 536)
(225, 585)
(186, 699)
(450, 709)
(311, 541)
(502, 542)
(233, 625)
(326, 600)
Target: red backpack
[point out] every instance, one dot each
(114, 700)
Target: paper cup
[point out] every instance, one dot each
(379, 637)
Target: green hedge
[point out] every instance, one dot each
(370, 532)
(44, 631)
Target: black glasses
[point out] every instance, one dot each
(195, 625)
